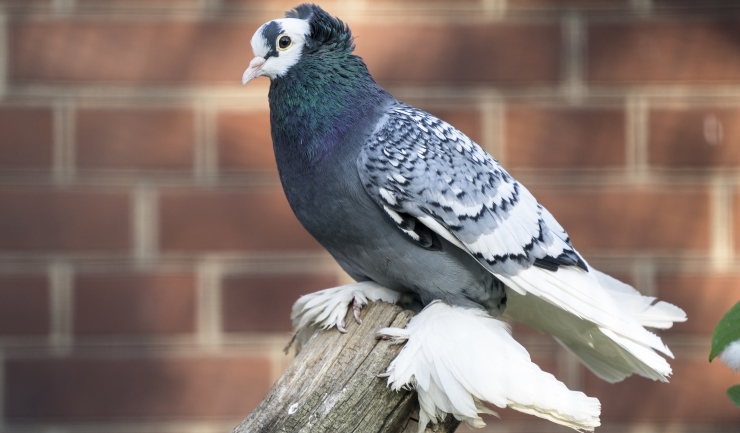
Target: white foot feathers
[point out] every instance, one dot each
(327, 308)
(457, 358)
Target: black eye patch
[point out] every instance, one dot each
(270, 32)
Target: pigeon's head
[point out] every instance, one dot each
(305, 31)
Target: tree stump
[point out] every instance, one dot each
(333, 386)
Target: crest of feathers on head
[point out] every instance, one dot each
(325, 29)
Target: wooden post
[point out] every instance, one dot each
(333, 386)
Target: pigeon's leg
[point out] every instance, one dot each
(356, 307)
(327, 308)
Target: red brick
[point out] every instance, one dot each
(27, 3)
(664, 52)
(129, 51)
(131, 4)
(695, 394)
(564, 138)
(290, 4)
(187, 52)
(244, 141)
(135, 138)
(230, 220)
(25, 137)
(627, 220)
(263, 304)
(705, 298)
(567, 3)
(695, 4)
(694, 138)
(150, 388)
(134, 304)
(736, 219)
(469, 121)
(24, 305)
(414, 53)
(287, 4)
(35, 219)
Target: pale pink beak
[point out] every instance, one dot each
(254, 70)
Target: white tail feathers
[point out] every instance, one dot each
(597, 317)
(644, 309)
(457, 358)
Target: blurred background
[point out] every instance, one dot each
(148, 258)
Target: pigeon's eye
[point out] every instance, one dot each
(284, 42)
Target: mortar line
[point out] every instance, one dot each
(495, 8)
(234, 97)
(61, 308)
(4, 52)
(205, 152)
(208, 310)
(637, 128)
(574, 41)
(569, 370)
(63, 159)
(493, 125)
(145, 223)
(279, 360)
(2, 391)
(210, 141)
(721, 241)
(125, 426)
(643, 275)
(210, 5)
(63, 6)
(642, 7)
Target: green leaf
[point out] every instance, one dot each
(734, 394)
(727, 331)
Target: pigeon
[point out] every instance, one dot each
(415, 211)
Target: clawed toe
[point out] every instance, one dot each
(340, 327)
(327, 308)
(356, 308)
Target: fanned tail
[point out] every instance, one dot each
(598, 318)
(458, 358)
(645, 309)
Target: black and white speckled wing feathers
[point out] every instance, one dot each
(427, 175)
(418, 167)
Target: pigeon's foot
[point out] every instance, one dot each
(327, 308)
(356, 307)
(395, 335)
(458, 359)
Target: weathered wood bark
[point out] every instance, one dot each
(332, 384)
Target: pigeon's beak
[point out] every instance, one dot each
(254, 70)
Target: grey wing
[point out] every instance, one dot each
(420, 169)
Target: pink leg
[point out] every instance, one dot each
(340, 327)
(356, 310)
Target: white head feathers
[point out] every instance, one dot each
(277, 46)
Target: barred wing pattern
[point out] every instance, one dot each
(416, 166)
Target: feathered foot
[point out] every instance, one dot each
(458, 358)
(327, 308)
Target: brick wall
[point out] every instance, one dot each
(148, 258)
